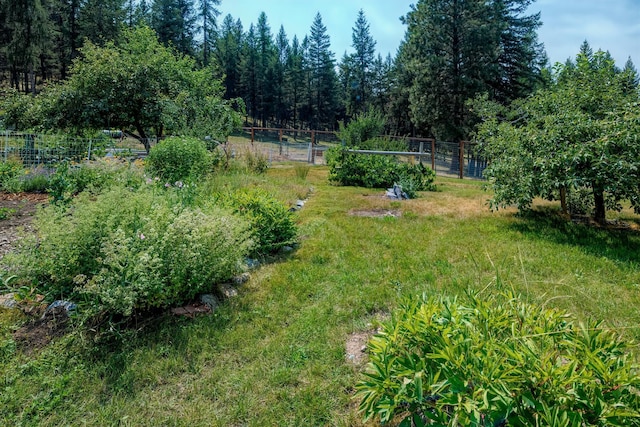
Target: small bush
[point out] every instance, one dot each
(72, 179)
(271, 222)
(179, 159)
(363, 127)
(125, 251)
(376, 171)
(497, 362)
(10, 171)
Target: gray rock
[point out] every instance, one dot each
(286, 249)
(252, 263)
(241, 279)
(210, 301)
(227, 290)
(8, 301)
(59, 306)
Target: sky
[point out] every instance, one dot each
(612, 25)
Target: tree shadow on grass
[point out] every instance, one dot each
(615, 241)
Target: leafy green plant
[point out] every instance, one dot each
(179, 159)
(128, 250)
(271, 222)
(497, 361)
(363, 127)
(376, 171)
(10, 171)
(6, 213)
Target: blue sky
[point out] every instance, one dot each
(612, 25)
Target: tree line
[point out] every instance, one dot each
(453, 50)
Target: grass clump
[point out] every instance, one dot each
(497, 361)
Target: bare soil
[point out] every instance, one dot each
(19, 210)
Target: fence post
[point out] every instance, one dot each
(421, 150)
(433, 155)
(89, 151)
(252, 134)
(461, 155)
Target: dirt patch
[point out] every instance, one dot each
(18, 211)
(39, 332)
(376, 213)
(356, 347)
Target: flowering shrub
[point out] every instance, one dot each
(178, 159)
(129, 250)
(498, 362)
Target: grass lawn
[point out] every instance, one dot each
(275, 355)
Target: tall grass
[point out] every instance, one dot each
(275, 355)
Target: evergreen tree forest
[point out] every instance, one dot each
(453, 51)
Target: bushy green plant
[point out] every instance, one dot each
(72, 179)
(271, 222)
(179, 159)
(10, 171)
(302, 170)
(376, 171)
(363, 127)
(128, 250)
(497, 361)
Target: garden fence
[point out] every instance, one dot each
(38, 149)
(456, 159)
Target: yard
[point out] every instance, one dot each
(277, 353)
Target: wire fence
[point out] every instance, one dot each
(456, 159)
(453, 159)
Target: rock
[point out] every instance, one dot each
(8, 301)
(252, 263)
(59, 306)
(300, 204)
(241, 279)
(210, 301)
(287, 249)
(227, 290)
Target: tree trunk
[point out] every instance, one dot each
(563, 200)
(599, 214)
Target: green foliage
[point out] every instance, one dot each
(178, 159)
(272, 224)
(497, 361)
(127, 250)
(362, 128)
(302, 170)
(256, 161)
(580, 133)
(69, 179)
(10, 171)
(376, 171)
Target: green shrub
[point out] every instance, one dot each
(72, 179)
(271, 222)
(498, 361)
(363, 127)
(376, 171)
(179, 159)
(10, 171)
(126, 250)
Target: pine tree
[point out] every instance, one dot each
(282, 54)
(363, 59)
(266, 55)
(27, 30)
(101, 20)
(248, 73)
(229, 50)
(323, 77)
(456, 49)
(295, 79)
(208, 13)
(175, 23)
